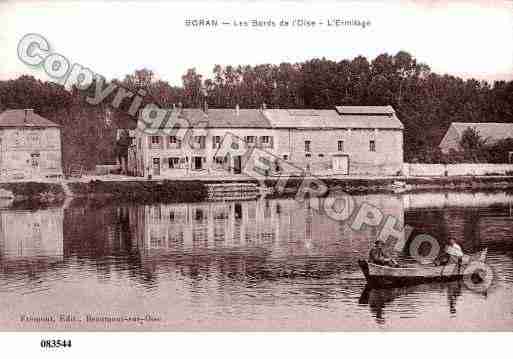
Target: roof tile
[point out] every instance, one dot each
(493, 131)
(24, 118)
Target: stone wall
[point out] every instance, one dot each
(458, 169)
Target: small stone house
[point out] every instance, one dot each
(30, 145)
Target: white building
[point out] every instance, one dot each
(345, 140)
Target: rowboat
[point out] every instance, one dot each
(384, 276)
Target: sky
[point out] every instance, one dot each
(464, 38)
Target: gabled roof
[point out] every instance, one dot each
(230, 118)
(382, 117)
(365, 110)
(492, 131)
(371, 121)
(24, 118)
(369, 117)
(299, 118)
(215, 118)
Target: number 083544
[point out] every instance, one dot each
(55, 343)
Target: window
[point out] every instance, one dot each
(308, 155)
(199, 214)
(17, 138)
(199, 141)
(341, 146)
(216, 141)
(34, 160)
(266, 141)
(174, 142)
(156, 213)
(250, 140)
(155, 140)
(173, 162)
(321, 155)
(219, 160)
(372, 146)
(307, 145)
(33, 138)
(285, 157)
(139, 143)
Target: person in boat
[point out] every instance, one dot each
(378, 256)
(452, 253)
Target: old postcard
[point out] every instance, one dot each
(256, 166)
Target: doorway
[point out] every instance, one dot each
(34, 160)
(156, 166)
(237, 164)
(341, 164)
(198, 163)
(34, 163)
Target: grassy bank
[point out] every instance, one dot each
(165, 190)
(34, 192)
(376, 185)
(196, 190)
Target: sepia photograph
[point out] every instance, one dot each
(255, 166)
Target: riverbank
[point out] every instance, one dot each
(193, 190)
(37, 193)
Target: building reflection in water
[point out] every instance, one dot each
(282, 227)
(28, 235)
(31, 244)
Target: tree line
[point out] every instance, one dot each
(426, 102)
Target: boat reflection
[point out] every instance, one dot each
(379, 299)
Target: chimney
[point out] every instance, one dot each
(28, 113)
(237, 110)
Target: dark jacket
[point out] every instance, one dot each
(378, 256)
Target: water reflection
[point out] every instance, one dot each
(242, 263)
(262, 239)
(30, 241)
(379, 299)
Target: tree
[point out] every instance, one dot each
(122, 145)
(192, 87)
(473, 145)
(501, 151)
(426, 102)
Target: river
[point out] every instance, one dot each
(274, 264)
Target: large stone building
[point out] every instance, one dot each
(30, 145)
(348, 140)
